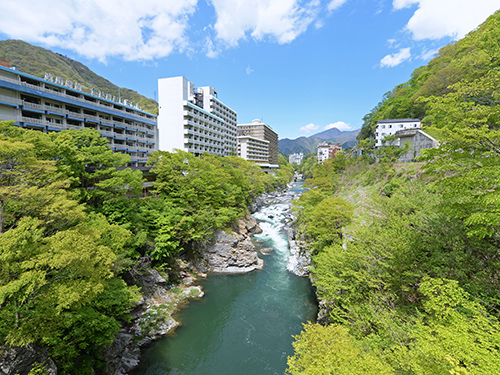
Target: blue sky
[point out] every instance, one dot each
(301, 66)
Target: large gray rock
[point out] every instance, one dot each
(20, 360)
(231, 253)
(123, 355)
(298, 261)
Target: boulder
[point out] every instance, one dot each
(231, 253)
(21, 360)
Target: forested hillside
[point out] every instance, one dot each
(406, 257)
(36, 61)
(71, 235)
(469, 59)
(310, 144)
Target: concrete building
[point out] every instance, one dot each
(390, 127)
(323, 152)
(418, 140)
(259, 130)
(296, 158)
(334, 149)
(253, 149)
(53, 105)
(194, 119)
(327, 151)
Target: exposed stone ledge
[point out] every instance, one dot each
(21, 360)
(232, 252)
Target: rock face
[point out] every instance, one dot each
(232, 252)
(20, 360)
(299, 259)
(152, 319)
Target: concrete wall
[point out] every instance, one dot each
(418, 141)
(171, 94)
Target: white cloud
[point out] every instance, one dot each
(248, 70)
(392, 43)
(341, 125)
(435, 19)
(282, 20)
(335, 4)
(428, 54)
(396, 58)
(308, 128)
(133, 30)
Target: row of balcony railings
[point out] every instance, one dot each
(204, 120)
(61, 126)
(222, 108)
(213, 150)
(200, 128)
(85, 117)
(190, 134)
(81, 99)
(201, 142)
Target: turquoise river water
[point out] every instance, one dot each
(244, 324)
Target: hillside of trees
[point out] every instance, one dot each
(406, 257)
(467, 60)
(36, 61)
(72, 236)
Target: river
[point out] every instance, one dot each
(244, 324)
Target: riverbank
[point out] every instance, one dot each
(231, 252)
(245, 322)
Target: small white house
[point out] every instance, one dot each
(390, 127)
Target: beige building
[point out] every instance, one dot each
(253, 149)
(251, 133)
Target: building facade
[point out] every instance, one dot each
(323, 152)
(327, 151)
(418, 140)
(253, 149)
(259, 130)
(194, 120)
(41, 104)
(390, 127)
(296, 158)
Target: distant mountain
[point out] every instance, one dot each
(330, 133)
(309, 144)
(36, 61)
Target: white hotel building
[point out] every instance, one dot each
(194, 119)
(390, 127)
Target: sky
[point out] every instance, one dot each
(300, 66)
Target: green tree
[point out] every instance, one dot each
(30, 185)
(332, 350)
(468, 160)
(95, 172)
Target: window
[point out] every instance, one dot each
(390, 126)
(382, 126)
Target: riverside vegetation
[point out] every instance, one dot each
(406, 256)
(74, 230)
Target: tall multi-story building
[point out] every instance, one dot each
(194, 119)
(390, 127)
(257, 130)
(52, 105)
